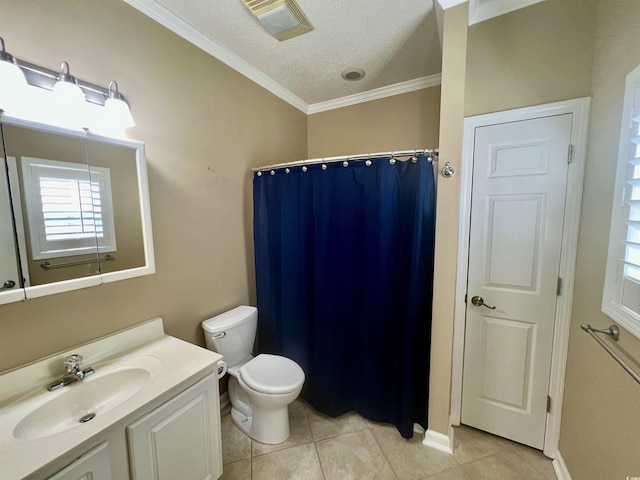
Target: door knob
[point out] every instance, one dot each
(8, 284)
(479, 302)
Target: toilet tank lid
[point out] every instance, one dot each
(228, 319)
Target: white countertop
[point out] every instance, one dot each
(174, 365)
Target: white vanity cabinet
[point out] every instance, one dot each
(179, 439)
(93, 465)
(156, 404)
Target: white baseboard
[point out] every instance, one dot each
(224, 400)
(562, 472)
(439, 441)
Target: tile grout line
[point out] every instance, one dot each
(313, 439)
(535, 468)
(384, 454)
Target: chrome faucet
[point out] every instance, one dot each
(73, 372)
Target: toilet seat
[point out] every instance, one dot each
(272, 374)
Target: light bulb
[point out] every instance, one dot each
(116, 109)
(69, 100)
(119, 113)
(12, 82)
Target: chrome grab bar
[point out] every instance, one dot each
(49, 266)
(614, 333)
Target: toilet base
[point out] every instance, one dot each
(265, 425)
(243, 422)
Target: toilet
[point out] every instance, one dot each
(260, 388)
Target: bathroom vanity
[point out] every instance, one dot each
(150, 410)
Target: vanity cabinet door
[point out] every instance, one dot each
(93, 465)
(181, 438)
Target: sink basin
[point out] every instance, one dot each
(81, 402)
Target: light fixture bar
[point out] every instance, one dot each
(57, 97)
(43, 77)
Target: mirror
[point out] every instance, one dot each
(10, 276)
(77, 211)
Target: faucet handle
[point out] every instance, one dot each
(72, 362)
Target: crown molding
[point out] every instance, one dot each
(187, 31)
(178, 26)
(376, 94)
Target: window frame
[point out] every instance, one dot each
(612, 299)
(41, 248)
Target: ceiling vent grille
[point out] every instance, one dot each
(282, 18)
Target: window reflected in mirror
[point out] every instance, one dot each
(42, 161)
(74, 210)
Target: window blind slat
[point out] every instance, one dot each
(634, 182)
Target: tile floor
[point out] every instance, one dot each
(352, 448)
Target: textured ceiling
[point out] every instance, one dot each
(393, 41)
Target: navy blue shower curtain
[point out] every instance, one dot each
(344, 269)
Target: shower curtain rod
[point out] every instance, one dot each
(433, 154)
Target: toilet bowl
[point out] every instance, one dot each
(260, 388)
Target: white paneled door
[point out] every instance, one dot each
(517, 215)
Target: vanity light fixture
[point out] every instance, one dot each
(12, 80)
(69, 100)
(117, 107)
(66, 88)
(59, 97)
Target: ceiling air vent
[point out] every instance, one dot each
(282, 18)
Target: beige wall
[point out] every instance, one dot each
(401, 122)
(204, 126)
(448, 195)
(539, 54)
(600, 434)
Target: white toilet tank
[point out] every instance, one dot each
(232, 334)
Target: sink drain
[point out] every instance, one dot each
(87, 417)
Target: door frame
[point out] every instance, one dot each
(580, 110)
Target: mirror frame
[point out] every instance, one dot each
(145, 213)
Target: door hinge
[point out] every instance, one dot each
(570, 154)
(559, 287)
(548, 403)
